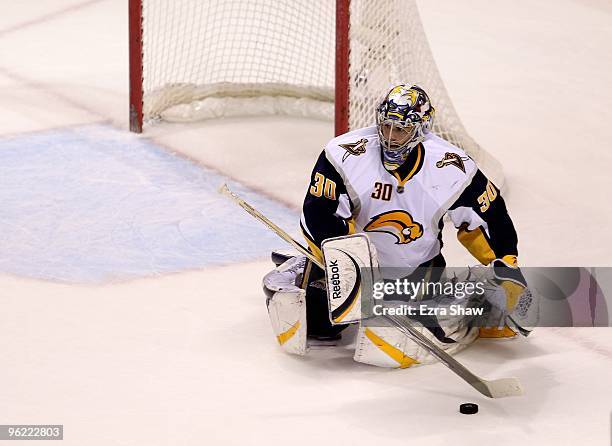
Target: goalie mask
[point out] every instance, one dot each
(403, 118)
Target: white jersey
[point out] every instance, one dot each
(401, 216)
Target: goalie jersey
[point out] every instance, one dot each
(402, 211)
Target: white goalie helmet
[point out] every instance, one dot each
(403, 118)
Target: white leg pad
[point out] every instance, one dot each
(287, 305)
(287, 311)
(389, 347)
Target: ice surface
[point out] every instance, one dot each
(93, 203)
(188, 358)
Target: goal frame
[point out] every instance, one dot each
(374, 42)
(341, 88)
(136, 61)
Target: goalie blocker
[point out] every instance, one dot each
(350, 263)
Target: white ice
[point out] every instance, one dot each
(188, 357)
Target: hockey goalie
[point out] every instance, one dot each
(376, 203)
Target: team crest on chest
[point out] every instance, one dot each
(397, 223)
(354, 148)
(452, 159)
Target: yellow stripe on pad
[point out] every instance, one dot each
(348, 310)
(496, 333)
(396, 354)
(285, 336)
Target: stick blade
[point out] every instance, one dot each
(501, 388)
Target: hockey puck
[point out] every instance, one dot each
(468, 408)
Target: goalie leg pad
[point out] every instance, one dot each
(286, 304)
(386, 346)
(287, 311)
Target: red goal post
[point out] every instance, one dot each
(135, 48)
(200, 59)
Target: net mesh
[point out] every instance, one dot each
(199, 57)
(389, 47)
(194, 49)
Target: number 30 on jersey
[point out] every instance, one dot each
(323, 186)
(382, 191)
(487, 197)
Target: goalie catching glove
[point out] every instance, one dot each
(513, 307)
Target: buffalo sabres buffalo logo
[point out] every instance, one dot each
(397, 223)
(354, 148)
(452, 159)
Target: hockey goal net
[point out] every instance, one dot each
(198, 59)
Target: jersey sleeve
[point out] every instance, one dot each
(327, 208)
(484, 226)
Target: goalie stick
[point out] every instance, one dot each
(498, 388)
(224, 190)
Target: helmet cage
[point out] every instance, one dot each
(410, 119)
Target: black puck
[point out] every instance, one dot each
(468, 408)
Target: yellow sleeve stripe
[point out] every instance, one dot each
(351, 226)
(396, 354)
(477, 244)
